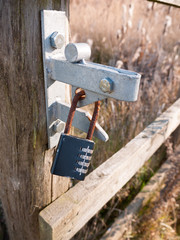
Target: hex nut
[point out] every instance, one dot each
(58, 126)
(106, 85)
(57, 40)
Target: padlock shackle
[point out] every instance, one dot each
(72, 110)
(93, 120)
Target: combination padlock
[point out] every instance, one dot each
(73, 154)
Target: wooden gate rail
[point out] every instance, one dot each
(175, 3)
(69, 213)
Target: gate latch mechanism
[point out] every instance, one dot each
(66, 63)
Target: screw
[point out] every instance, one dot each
(58, 126)
(57, 40)
(106, 85)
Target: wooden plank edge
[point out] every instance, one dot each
(45, 229)
(173, 3)
(120, 225)
(69, 213)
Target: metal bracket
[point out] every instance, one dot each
(55, 27)
(53, 21)
(59, 113)
(89, 77)
(65, 64)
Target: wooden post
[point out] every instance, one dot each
(26, 185)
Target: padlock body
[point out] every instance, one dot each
(72, 157)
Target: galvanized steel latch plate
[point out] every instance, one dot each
(65, 64)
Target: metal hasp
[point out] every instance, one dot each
(65, 64)
(99, 81)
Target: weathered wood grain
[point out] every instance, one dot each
(65, 216)
(25, 180)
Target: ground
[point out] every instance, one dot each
(160, 218)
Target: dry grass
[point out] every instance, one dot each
(160, 219)
(139, 36)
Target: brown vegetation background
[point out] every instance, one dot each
(141, 36)
(137, 35)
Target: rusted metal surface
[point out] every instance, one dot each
(80, 121)
(94, 119)
(80, 95)
(72, 110)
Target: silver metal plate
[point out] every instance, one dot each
(88, 76)
(52, 21)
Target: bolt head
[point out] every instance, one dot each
(57, 40)
(58, 126)
(106, 85)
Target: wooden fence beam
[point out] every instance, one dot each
(68, 214)
(175, 3)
